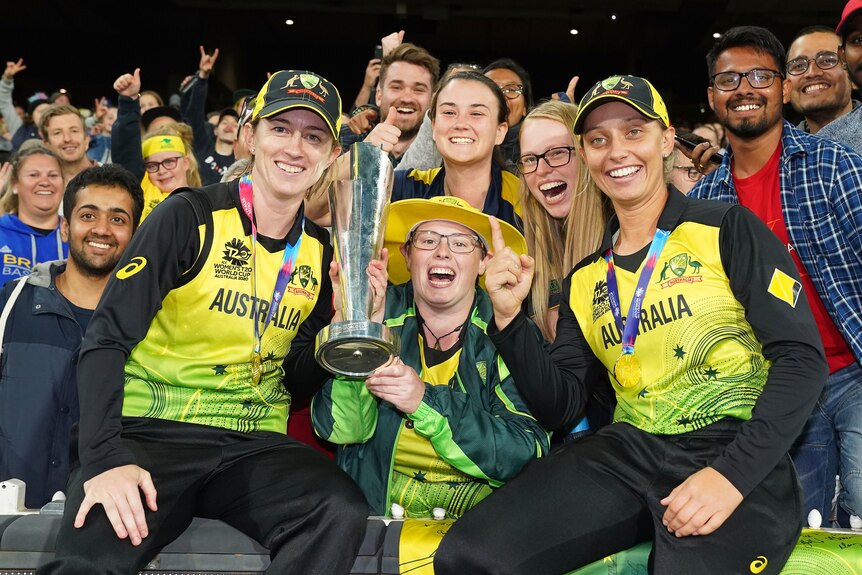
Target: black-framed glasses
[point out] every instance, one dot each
(825, 60)
(690, 172)
(167, 163)
(458, 243)
(512, 91)
(555, 157)
(758, 78)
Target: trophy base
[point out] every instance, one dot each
(355, 348)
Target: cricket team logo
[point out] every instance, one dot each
(676, 268)
(482, 368)
(306, 84)
(303, 282)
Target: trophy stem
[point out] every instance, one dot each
(359, 207)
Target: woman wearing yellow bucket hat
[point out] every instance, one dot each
(443, 424)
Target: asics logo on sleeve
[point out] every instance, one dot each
(759, 564)
(131, 268)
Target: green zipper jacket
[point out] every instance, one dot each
(478, 423)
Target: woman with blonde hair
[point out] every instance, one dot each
(30, 226)
(193, 414)
(563, 219)
(714, 370)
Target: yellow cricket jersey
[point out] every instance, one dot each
(699, 357)
(185, 298)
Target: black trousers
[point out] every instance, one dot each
(287, 496)
(594, 497)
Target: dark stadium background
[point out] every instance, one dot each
(83, 46)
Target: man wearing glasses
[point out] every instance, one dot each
(820, 87)
(809, 192)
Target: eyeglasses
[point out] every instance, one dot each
(512, 91)
(167, 163)
(555, 157)
(691, 173)
(824, 60)
(458, 243)
(758, 78)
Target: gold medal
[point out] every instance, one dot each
(256, 367)
(627, 370)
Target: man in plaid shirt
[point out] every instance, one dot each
(809, 191)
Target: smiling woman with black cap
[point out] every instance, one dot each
(189, 364)
(695, 312)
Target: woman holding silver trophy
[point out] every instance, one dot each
(442, 424)
(200, 343)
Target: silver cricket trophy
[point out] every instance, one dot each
(356, 346)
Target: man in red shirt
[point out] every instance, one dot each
(807, 190)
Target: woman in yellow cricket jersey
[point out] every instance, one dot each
(202, 337)
(695, 313)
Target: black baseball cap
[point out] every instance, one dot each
(228, 112)
(635, 91)
(289, 89)
(157, 112)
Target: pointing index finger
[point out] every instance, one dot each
(497, 241)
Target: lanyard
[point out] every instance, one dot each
(629, 331)
(290, 253)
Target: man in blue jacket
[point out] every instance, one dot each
(48, 315)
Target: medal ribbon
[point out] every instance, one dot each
(630, 330)
(290, 253)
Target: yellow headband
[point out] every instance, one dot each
(156, 144)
